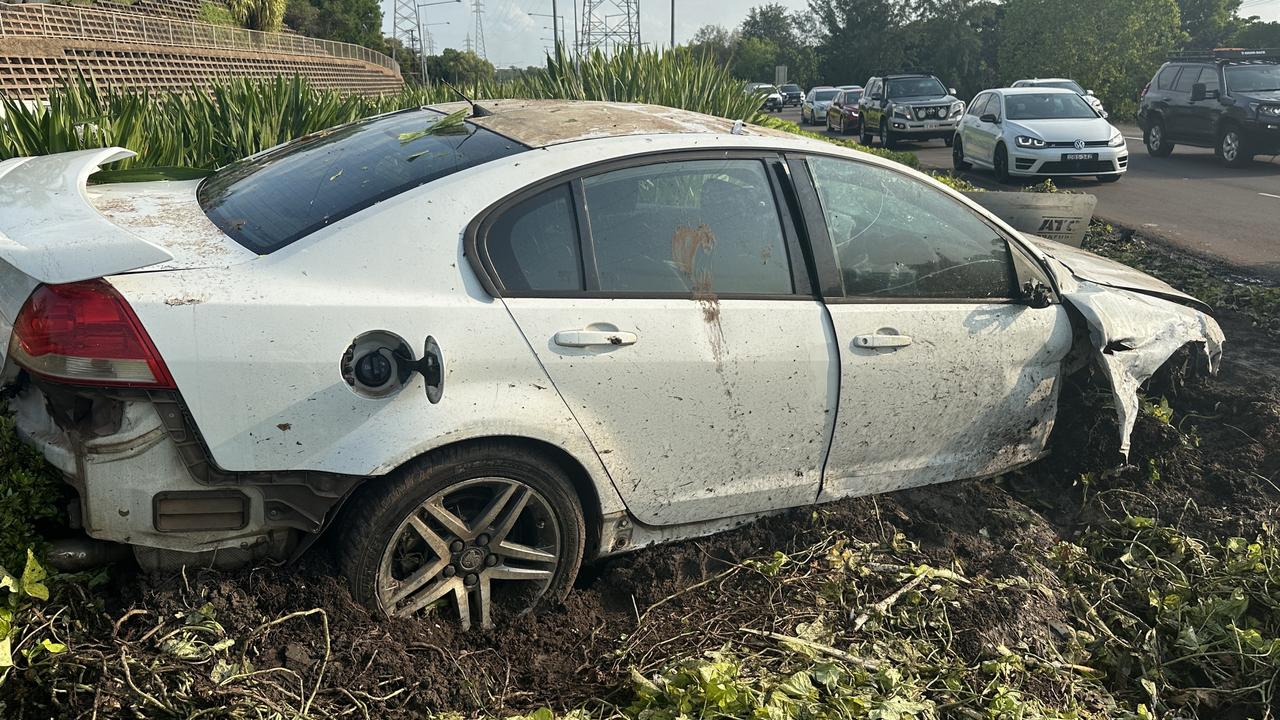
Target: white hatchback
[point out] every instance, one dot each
(483, 351)
(1032, 131)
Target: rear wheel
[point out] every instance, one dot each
(1233, 148)
(947, 141)
(957, 155)
(864, 135)
(1156, 140)
(1000, 163)
(487, 531)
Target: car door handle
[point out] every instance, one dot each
(594, 338)
(881, 341)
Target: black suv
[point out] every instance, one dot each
(791, 94)
(1228, 100)
(908, 106)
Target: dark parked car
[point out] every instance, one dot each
(908, 106)
(842, 114)
(792, 94)
(1228, 100)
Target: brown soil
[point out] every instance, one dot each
(581, 651)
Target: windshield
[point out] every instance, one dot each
(1253, 78)
(915, 87)
(824, 95)
(1071, 85)
(851, 96)
(1047, 106)
(269, 200)
(791, 88)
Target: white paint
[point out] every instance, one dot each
(1277, 197)
(255, 348)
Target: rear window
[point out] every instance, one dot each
(271, 199)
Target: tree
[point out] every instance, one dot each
(1110, 46)
(460, 67)
(859, 38)
(1209, 23)
(957, 39)
(774, 24)
(1257, 34)
(265, 15)
(754, 59)
(352, 21)
(715, 41)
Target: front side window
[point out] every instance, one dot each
(1186, 80)
(896, 237)
(1209, 76)
(1048, 106)
(276, 197)
(976, 106)
(533, 246)
(688, 228)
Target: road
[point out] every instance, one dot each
(1188, 199)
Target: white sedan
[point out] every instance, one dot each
(1036, 131)
(1066, 84)
(484, 351)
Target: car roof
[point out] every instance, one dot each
(1031, 89)
(540, 123)
(1046, 80)
(907, 75)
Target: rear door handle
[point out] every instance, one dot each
(594, 338)
(881, 341)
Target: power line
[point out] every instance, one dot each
(610, 24)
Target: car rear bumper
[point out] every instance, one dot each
(1050, 162)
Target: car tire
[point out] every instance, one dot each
(498, 564)
(864, 136)
(947, 141)
(1109, 178)
(1157, 139)
(829, 128)
(1000, 164)
(887, 140)
(958, 163)
(1233, 147)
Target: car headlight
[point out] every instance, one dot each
(957, 109)
(1268, 111)
(902, 111)
(1026, 141)
(1117, 139)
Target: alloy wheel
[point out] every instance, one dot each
(1230, 146)
(1155, 136)
(479, 543)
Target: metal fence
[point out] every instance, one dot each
(60, 21)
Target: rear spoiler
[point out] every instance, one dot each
(51, 233)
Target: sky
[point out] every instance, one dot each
(513, 37)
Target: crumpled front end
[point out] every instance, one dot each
(1136, 322)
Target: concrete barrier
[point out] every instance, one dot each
(1058, 216)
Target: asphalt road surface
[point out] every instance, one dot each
(1188, 199)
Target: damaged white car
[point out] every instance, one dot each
(486, 351)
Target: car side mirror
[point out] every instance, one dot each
(989, 118)
(1088, 92)
(1197, 91)
(951, 91)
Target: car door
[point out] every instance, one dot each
(971, 135)
(869, 105)
(1201, 113)
(1177, 114)
(945, 372)
(684, 337)
(987, 134)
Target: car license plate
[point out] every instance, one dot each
(932, 125)
(1079, 156)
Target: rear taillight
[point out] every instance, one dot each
(1145, 88)
(85, 332)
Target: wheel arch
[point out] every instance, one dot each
(582, 484)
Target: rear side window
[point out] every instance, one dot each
(272, 199)
(1164, 80)
(534, 245)
(689, 227)
(896, 237)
